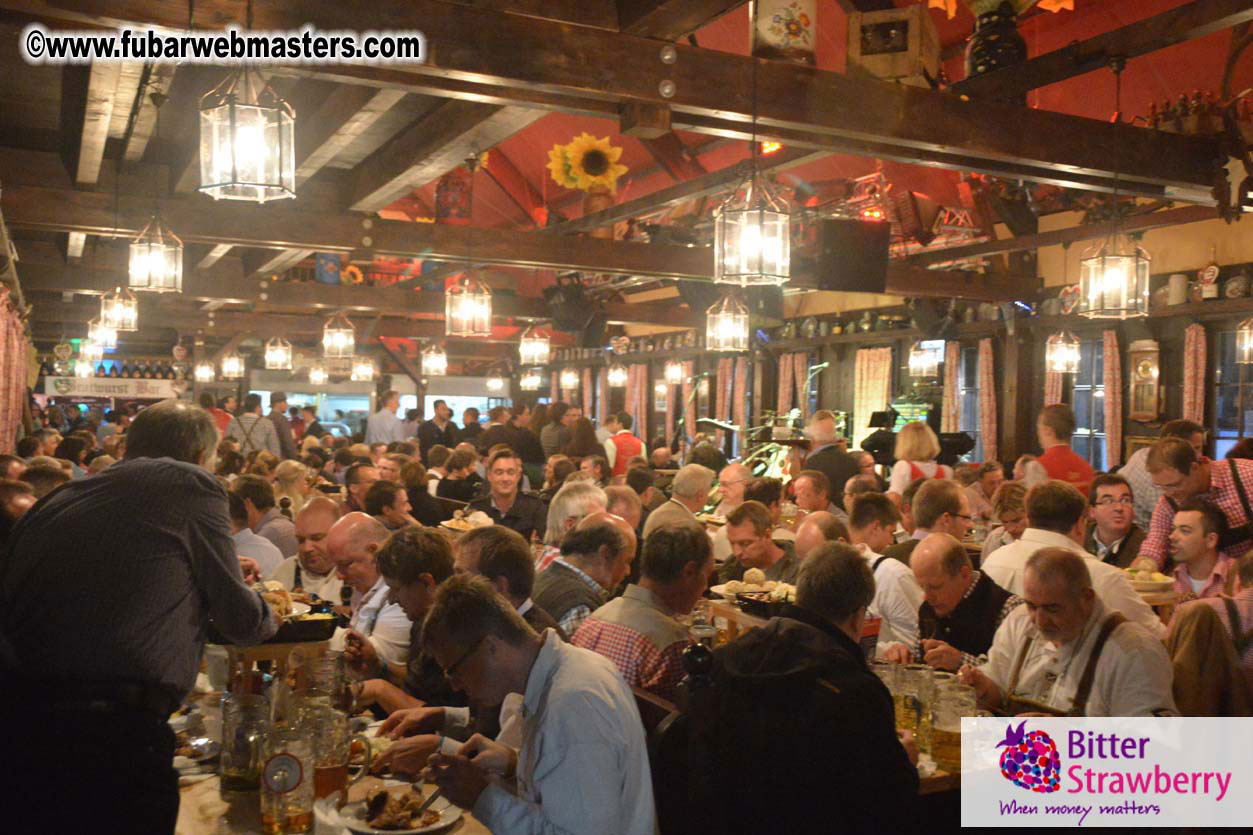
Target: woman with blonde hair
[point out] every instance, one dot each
(263, 464)
(917, 447)
(1009, 509)
(291, 486)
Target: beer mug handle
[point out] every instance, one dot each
(365, 766)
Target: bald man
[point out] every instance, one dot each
(311, 570)
(595, 558)
(817, 529)
(379, 629)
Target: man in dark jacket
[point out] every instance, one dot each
(814, 747)
(826, 455)
(282, 426)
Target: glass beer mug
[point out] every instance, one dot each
(333, 742)
(287, 774)
(245, 724)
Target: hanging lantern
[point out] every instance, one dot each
(434, 361)
(339, 338)
(247, 147)
(674, 373)
(925, 358)
(727, 325)
(1061, 353)
(156, 259)
(468, 308)
(1244, 341)
(232, 367)
(90, 351)
(752, 237)
(569, 379)
(119, 310)
(534, 349)
(495, 384)
(104, 337)
(84, 368)
(617, 376)
(659, 391)
(363, 370)
(204, 372)
(530, 380)
(318, 375)
(278, 354)
(1114, 280)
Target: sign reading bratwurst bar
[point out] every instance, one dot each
(112, 387)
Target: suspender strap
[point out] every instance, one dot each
(1239, 485)
(1018, 662)
(1239, 637)
(248, 434)
(1112, 622)
(878, 563)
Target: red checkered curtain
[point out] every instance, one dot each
(739, 402)
(1052, 387)
(1193, 374)
(872, 388)
(784, 400)
(589, 396)
(1113, 400)
(554, 393)
(638, 405)
(950, 420)
(602, 405)
(800, 373)
(12, 372)
(722, 402)
(987, 400)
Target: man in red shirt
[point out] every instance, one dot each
(621, 446)
(1053, 428)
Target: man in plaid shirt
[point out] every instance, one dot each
(640, 631)
(1136, 470)
(1181, 474)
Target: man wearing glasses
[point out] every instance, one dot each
(1113, 536)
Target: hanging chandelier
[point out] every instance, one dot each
(204, 372)
(90, 351)
(468, 308)
(674, 373)
(569, 379)
(84, 368)
(156, 259)
(232, 367)
(119, 310)
(1061, 353)
(727, 325)
(104, 337)
(1114, 276)
(534, 349)
(278, 354)
(339, 338)
(617, 376)
(495, 383)
(247, 145)
(530, 380)
(925, 358)
(363, 370)
(434, 361)
(752, 227)
(318, 375)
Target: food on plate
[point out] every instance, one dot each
(754, 577)
(783, 593)
(182, 745)
(279, 598)
(397, 808)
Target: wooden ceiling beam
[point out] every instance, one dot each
(340, 119)
(102, 87)
(215, 254)
(670, 19)
(1182, 23)
(140, 130)
(515, 185)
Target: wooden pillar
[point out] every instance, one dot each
(1019, 378)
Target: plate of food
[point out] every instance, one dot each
(458, 525)
(711, 519)
(1145, 577)
(393, 810)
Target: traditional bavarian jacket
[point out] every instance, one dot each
(1131, 675)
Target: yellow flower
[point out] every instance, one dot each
(594, 162)
(559, 167)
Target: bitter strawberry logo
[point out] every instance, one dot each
(1030, 760)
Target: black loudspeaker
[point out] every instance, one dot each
(932, 318)
(568, 303)
(699, 295)
(593, 336)
(852, 255)
(766, 302)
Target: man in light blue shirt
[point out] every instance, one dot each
(383, 426)
(582, 766)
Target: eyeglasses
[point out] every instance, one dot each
(451, 670)
(1110, 500)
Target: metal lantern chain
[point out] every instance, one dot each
(156, 255)
(468, 303)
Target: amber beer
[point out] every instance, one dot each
(946, 750)
(328, 779)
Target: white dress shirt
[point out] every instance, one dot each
(1133, 675)
(383, 427)
(257, 547)
(1007, 564)
(582, 762)
(897, 597)
(385, 624)
(1144, 493)
(325, 586)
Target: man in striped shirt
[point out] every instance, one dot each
(1182, 474)
(1236, 614)
(640, 631)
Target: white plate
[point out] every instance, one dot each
(353, 817)
(721, 589)
(1152, 585)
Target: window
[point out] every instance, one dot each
(968, 396)
(1088, 402)
(1233, 396)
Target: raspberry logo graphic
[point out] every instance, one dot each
(1030, 760)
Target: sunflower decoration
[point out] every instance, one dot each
(586, 163)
